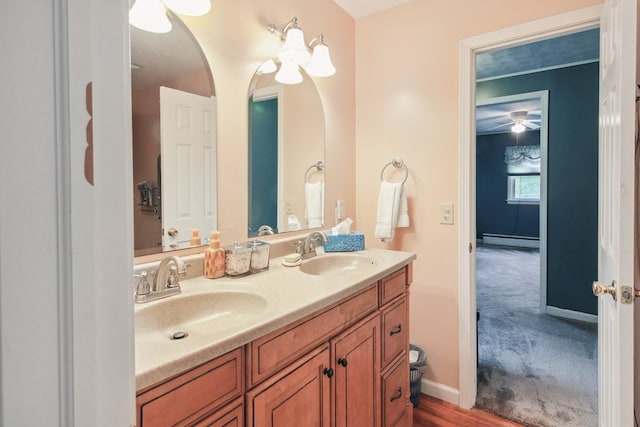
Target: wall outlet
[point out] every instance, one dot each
(446, 213)
(289, 206)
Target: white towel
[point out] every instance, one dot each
(392, 210)
(314, 203)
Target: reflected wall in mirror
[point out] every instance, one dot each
(174, 139)
(286, 156)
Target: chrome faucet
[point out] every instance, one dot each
(265, 230)
(310, 242)
(166, 281)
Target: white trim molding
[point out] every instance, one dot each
(571, 314)
(536, 30)
(440, 391)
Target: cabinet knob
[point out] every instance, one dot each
(342, 362)
(397, 395)
(328, 372)
(396, 330)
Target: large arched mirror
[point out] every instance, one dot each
(286, 156)
(174, 139)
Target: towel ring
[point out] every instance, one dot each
(319, 165)
(397, 163)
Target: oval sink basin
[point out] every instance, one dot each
(331, 264)
(200, 313)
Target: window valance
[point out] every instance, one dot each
(522, 159)
(514, 155)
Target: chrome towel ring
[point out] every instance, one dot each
(397, 163)
(319, 165)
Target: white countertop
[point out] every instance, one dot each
(285, 294)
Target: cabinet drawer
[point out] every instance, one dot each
(395, 392)
(394, 330)
(270, 353)
(231, 415)
(393, 285)
(193, 394)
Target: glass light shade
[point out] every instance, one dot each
(289, 73)
(517, 128)
(189, 7)
(149, 15)
(320, 64)
(294, 48)
(267, 67)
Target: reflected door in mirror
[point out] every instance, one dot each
(188, 157)
(263, 165)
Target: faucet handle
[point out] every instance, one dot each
(299, 245)
(143, 287)
(174, 278)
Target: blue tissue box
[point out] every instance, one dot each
(345, 242)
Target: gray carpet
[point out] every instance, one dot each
(535, 369)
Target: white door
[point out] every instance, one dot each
(188, 152)
(616, 211)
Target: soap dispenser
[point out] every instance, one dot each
(195, 237)
(214, 258)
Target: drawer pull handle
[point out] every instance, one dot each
(328, 372)
(396, 396)
(396, 330)
(342, 362)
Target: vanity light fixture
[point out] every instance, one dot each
(189, 7)
(295, 53)
(151, 15)
(289, 73)
(320, 64)
(267, 67)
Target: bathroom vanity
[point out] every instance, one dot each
(326, 345)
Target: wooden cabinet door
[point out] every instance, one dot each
(357, 372)
(230, 416)
(297, 397)
(396, 393)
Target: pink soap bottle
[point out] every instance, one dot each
(214, 258)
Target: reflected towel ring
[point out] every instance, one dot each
(397, 163)
(319, 165)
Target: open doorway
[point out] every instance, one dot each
(568, 23)
(533, 368)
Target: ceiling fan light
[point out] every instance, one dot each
(320, 64)
(189, 7)
(518, 128)
(149, 15)
(289, 73)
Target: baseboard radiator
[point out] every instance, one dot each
(507, 240)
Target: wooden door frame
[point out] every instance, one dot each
(557, 25)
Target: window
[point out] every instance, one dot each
(523, 189)
(523, 174)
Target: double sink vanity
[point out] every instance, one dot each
(324, 343)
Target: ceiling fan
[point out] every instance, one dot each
(520, 121)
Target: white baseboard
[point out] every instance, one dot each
(572, 315)
(441, 391)
(504, 240)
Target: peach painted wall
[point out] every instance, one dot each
(236, 41)
(407, 105)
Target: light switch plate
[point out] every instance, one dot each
(446, 213)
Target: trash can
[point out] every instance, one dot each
(417, 368)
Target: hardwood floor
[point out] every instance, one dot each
(432, 412)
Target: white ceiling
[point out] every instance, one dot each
(361, 8)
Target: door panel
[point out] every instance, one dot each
(616, 210)
(188, 160)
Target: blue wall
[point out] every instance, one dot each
(493, 214)
(572, 216)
